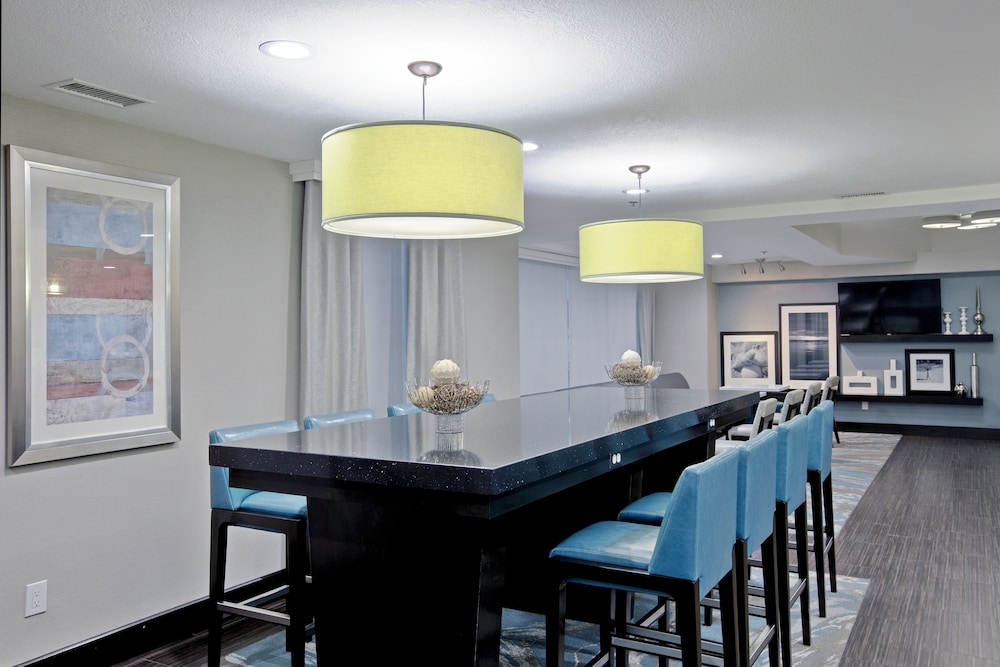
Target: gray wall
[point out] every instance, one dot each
(754, 307)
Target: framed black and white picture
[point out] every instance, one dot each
(930, 372)
(750, 358)
(808, 343)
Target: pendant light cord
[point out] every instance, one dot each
(423, 100)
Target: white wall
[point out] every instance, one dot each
(120, 537)
(683, 332)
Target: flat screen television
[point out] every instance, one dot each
(890, 307)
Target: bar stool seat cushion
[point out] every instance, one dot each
(616, 543)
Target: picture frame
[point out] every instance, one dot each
(930, 372)
(93, 326)
(809, 345)
(749, 358)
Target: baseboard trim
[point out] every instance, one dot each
(914, 429)
(148, 634)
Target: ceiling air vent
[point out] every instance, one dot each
(854, 195)
(96, 93)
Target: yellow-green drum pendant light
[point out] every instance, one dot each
(422, 179)
(641, 250)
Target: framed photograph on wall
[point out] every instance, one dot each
(809, 346)
(93, 327)
(930, 372)
(750, 358)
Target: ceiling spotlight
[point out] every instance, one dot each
(284, 49)
(743, 269)
(716, 255)
(942, 222)
(781, 267)
(760, 265)
(529, 146)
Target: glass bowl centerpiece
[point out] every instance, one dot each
(446, 395)
(632, 374)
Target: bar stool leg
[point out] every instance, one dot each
(819, 538)
(832, 551)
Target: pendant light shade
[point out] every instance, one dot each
(641, 251)
(422, 180)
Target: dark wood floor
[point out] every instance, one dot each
(927, 536)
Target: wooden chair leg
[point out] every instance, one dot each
(831, 550)
(819, 538)
(555, 630)
(688, 617)
(217, 587)
(802, 551)
(771, 605)
(784, 593)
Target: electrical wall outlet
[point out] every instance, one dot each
(35, 598)
(864, 405)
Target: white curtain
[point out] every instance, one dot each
(646, 307)
(333, 369)
(435, 321)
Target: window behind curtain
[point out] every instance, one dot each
(569, 328)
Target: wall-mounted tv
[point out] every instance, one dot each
(890, 307)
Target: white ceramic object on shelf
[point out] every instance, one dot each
(892, 380)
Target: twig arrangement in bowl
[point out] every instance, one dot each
(632, 374)
(447, 395)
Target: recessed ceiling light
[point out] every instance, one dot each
(282, 48)
(528, 146)
(716, 255)
(977, 225)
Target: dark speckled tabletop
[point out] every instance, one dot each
(504, 445)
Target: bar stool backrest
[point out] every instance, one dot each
(696, 537)
(793, 456)
(821, 438)
(224, 497)
(813, 394)
(758, 475)
(763, 418)
(319, 421)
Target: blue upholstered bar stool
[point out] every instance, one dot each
(408, 408)
(756, 482)
(683, 558)
(820, 483)
(260, 510)
(790, 498)
(319, 421)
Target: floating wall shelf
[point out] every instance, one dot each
(919, 338)
(940, 400)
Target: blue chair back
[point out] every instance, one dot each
(793, 455)
(397, 409)
(319, 421)
(821, 438)
(696, 537)
(758, 477)
(223, 496)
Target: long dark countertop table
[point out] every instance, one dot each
(419, 539)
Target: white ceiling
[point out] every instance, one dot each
(756, 116)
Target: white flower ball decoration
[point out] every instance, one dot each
(444, 371)
(631, 359)
(650, 372)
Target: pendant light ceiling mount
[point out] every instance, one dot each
(640, 250)
(422, 179)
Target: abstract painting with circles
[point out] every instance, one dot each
(94, 246)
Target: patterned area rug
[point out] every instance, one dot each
(856, 461)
